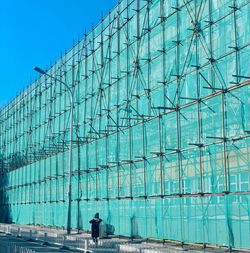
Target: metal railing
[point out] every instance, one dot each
(63, 241)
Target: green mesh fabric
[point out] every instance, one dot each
(160, 133)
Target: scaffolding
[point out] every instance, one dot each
(161, 127)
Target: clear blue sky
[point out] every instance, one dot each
(35, 32)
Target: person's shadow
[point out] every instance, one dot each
(106, 228)
(134, 227)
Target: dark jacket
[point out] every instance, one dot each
(95, 227)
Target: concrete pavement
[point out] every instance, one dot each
(56, 240)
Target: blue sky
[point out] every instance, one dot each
(36, 32)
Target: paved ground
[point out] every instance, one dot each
(43, 239)
(10, 244)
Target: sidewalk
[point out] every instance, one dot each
(11, 244)
(52, 237)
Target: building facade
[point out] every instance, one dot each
(161, 127)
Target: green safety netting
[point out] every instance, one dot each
(160, 131)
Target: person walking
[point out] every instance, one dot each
(95, 228)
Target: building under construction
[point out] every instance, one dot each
(160, 128)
